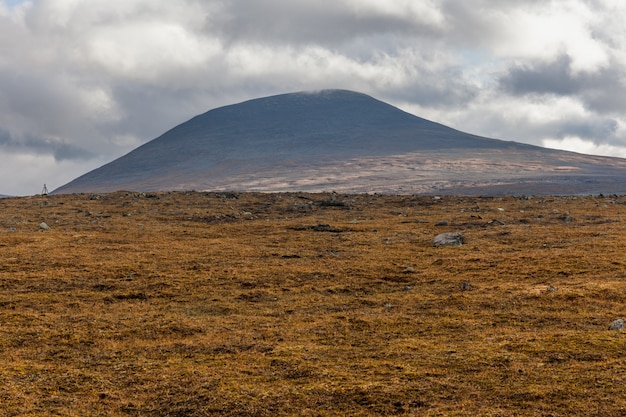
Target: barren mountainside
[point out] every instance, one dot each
(344, 141)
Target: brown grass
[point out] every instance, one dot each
(198, 304)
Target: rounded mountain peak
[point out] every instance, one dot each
(279, 137)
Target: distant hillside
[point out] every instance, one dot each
(344, 141)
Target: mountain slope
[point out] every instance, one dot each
(329, 140)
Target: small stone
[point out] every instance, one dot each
(44, 226)
(303, 207)
(442, 223)
(449, 239)
(409, 269)
(565, 217)
(407, 288)
(466, 286)
(551, 288)
(617, 325)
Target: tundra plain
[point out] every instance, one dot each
(293, 304)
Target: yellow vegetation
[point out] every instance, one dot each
(198, 304)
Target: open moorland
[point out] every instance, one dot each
(200, 304)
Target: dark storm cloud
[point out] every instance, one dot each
(542, 78)
(603, 91)
(316, 22)
(64, 151)
(446, 88)
(595, 129)
(41, 146)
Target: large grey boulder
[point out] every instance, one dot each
(449, 239)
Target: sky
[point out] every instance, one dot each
(83, 82)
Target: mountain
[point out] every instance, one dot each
(343, 141)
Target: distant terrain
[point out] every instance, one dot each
(294, 304)
(337, 140)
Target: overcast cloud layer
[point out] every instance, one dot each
(83, 82)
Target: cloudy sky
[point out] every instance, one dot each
(83, 82)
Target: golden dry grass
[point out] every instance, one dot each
(198, 304)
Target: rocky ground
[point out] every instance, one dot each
(197, 304)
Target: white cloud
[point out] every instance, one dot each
(422, 12)
(579, 145)
(25, 174)
(315, 67)
(149, 51)
(524, 30)
(99, 105)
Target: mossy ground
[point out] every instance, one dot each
(197, 304)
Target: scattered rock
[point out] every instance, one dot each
(415, 221)
(44, 226)
(302, 207)
(565, 217)
(227, 196)
(131, 296)
(617, 325)
(332, 202)
(326, 228)
(449, 239)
